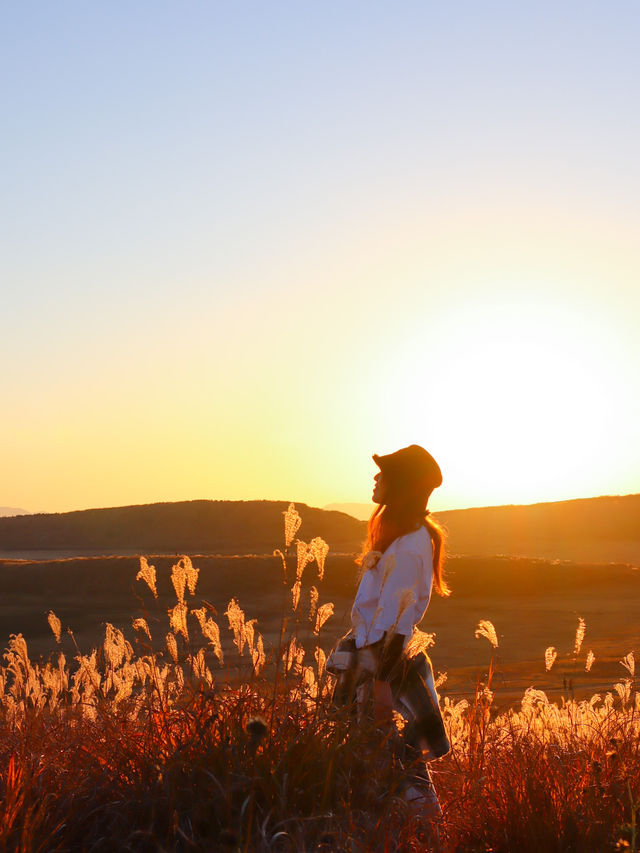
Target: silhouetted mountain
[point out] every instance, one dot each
(605, 529)
(205, 527)
(12, 510)
(359, 511)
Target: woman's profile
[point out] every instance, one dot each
(377, 660)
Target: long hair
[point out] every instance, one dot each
(403, 513)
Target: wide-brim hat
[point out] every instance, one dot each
(410, 466)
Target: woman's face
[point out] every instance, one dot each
(378, 489)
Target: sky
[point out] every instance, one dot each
(246, 246)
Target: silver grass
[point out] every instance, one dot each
(147, 574)
(486, 629)
(292, 522)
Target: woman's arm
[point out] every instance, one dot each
(389, 655)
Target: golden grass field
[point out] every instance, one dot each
(533, 604)
(218, 733)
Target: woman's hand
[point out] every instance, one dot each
(382, 702)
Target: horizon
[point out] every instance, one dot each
(327, 507)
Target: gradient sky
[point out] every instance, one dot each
(247, 245)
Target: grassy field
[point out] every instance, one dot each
(197, 729)
(534, 604)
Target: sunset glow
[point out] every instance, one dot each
(238, 277)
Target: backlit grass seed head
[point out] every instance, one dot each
(87, 673)
(172, 646)
(293, 655)
(292, 522)
(319, 550)
(589, 663)
(487, 696)
(17, 657)
(580, 632)
(184, 575)
(325, 612)
(210, 631)
(295, 595)
(201, 616)
(178, 673)
(235, 615)
(116, 648)
(278, 553)
(440, 680)
(550, 656)
(54, 624)
(192, 575)
(485, 629)
(249, 633)
(313, 603)
(258, 657)
(533, 698)
(304, 557)
(623, 689)
(199, 666)
(309, 683)
(140, 624)
(420, 641)
(629, 663)
(147, 574)
(321, 660)
(178, 620)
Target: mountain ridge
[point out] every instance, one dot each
(602, 529)
(8, 511)
(225, 527)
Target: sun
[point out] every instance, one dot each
(516, 397)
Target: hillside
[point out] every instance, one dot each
(605, 529)
(211, 527)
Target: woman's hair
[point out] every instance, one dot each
(402, 513)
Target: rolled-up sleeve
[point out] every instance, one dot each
(400, 594)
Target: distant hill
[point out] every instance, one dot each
(605, 529)
(12, 510)
(205, 527)
(359, 511)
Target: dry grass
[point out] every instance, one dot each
(196, 748)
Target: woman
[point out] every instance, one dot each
(401, 562)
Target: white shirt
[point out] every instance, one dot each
(395, 593)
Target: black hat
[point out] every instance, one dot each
(410, 466)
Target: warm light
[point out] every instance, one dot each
(518, 399)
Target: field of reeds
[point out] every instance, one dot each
(193, 731)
